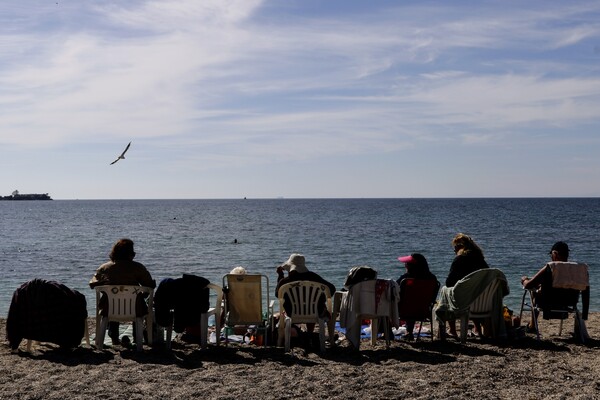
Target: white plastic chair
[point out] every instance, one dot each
(481, 307)
(212, 311)
(361, 303)
(121, 304)
(303, 298)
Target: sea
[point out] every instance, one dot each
(67, 240)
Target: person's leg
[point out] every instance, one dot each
(410, 327)
(113, 332)
(537, 300)
(452, 328)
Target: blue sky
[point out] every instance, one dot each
(261, 99)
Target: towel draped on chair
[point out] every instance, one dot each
(454, 301)
(46, 311)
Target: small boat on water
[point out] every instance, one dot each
(30, 196)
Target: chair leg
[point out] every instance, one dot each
(441, 330)
(281, 331)
(463, 328)
(287, 333)
(331, 331)
(139, 333)
(169, 336)
(322, 335)
(101, 326)
(204, 330)
(560, 327)
(419, 331)
(534, 316)
(86, 332)
(217, 329)
(523, 305)
(386, 332)
(150, 327)
(374, 330)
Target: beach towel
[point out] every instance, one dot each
(569, 275)
(375, 298)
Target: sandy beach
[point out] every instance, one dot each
(554, 368)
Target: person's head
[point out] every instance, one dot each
(559, 252)
(122, 250)
(296, 263)
(464, 244)
(415, 264)
(238, 271)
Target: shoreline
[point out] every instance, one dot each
(560, 368)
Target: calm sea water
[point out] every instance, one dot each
(66, 240)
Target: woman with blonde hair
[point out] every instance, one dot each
(469, 258)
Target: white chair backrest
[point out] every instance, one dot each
(122, 299)
(485, 301)
(303, 297)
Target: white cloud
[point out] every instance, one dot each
(222, 83)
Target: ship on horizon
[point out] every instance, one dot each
(29, 196)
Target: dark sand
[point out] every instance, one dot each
(555, 368)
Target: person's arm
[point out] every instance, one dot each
(454, 274)
(536, 281)
(98, 279)
(280, 277)
(144, 278)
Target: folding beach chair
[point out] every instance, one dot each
(247, 303)
(558, 296)
(417, 297)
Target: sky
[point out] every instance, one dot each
(300, 98)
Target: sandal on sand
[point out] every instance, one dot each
(450, 334)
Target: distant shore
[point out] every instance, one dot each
(554, 368)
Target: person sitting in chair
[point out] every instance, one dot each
(121, 270)
(542, 281)
(416, 268)
(297, 271)
(469, 258)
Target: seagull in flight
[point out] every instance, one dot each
(122, 156)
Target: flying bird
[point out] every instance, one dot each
(122, 156)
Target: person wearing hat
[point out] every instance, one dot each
(416, 268)
(297, 271)
(558, 253)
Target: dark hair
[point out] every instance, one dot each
(418, 267)
(561, 248)
(122, 250)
